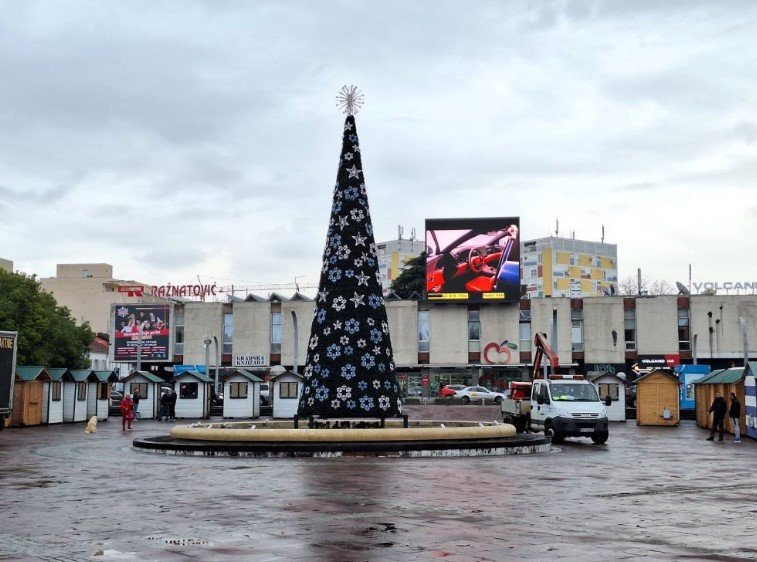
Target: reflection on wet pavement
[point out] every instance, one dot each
(660, 493)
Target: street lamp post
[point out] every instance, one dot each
(218, 361)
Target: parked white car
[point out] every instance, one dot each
(470, 393)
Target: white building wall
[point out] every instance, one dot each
(241, 407)
(252, 329)
(403, 329)
(602, 315)
(202, 320)
(727, 340)
(541, 321)
(500, 322)
(448, 340)
(657, 325)
(304, 311)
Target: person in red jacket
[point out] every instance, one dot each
(127, 412)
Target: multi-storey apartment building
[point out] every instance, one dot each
(566, 267)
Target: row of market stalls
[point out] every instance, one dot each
(49, 396)
(58, 395)
(241, 391)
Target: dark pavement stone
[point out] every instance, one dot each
(653, 493)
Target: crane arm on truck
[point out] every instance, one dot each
(543, 348)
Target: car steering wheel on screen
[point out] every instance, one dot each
(476, 260)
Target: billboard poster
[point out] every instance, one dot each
(473, 260)
(152, 320)
(7, 369)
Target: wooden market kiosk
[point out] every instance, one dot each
(723, 381)
(29, 396)
(658, 399)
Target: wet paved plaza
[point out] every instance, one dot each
(653, 493)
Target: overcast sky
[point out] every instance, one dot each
(184, 139)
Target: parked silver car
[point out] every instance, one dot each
(470, 393)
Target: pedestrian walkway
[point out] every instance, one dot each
(653, 493)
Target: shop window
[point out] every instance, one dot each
(609, 389)
(288, 390)
(188, 390)
(55, 387)
(81, 391)
(140, 387)
(629, 329)
(238, 390)
(423, 331)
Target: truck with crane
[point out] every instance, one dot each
(559, 405)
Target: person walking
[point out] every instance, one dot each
(172, 405)
(127, 412)
(135, 400)
(734, 412)
(718, 410)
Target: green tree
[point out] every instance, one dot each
(412, 277)
(47, 334)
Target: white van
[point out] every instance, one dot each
(568, 406)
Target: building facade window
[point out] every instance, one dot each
(423, 331)
(178, 328)
(684, 330)
(577, 330)
(524, 330)
(474, 331)
(228, 333)
(275, 333)
(629, 329)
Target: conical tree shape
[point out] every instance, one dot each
(349, 370)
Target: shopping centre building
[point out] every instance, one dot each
(486, 343)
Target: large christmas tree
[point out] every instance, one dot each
(349, 370)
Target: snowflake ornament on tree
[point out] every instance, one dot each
(349, 369)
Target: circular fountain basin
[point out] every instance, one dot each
(281, 439)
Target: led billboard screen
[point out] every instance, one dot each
(153, 322)
(470, 260)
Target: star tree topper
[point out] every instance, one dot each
(349, 100)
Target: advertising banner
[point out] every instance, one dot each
(152, 321)
(7, 369)
(473, 260)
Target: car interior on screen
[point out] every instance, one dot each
(474, 262)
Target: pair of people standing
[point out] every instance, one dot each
(718, 410)
(168, 405)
